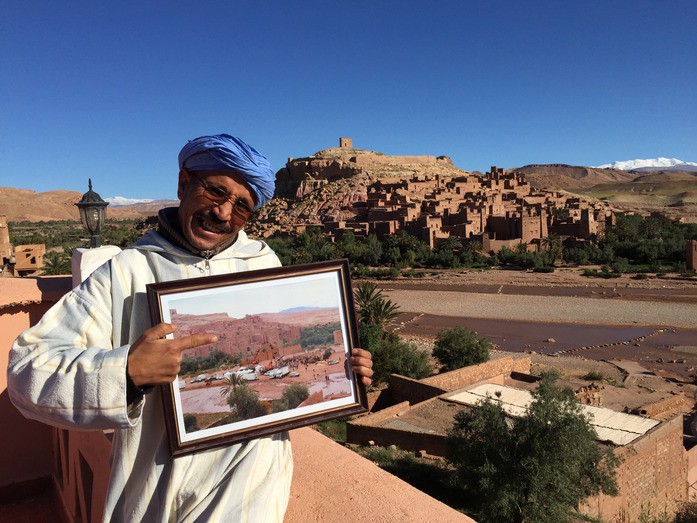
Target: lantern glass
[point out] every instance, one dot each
(92, 218)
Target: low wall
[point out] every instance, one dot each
(411, 390)
(367, 431)
(457, 379)
(667, 407)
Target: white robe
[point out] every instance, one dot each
(69, 370)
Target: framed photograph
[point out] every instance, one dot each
(281, 360)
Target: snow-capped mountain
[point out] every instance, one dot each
(653, 164)
(117, 201)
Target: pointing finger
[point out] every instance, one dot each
(196, 340)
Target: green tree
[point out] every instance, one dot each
(534, 468)
(230, 382)
(554, 247)
(294, 394)
(56, 263)
(392, 355)
(244, 403)
(373, 307)
(190, 423)
(460, 347)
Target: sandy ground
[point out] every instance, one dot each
(545, 308)
(329, 380)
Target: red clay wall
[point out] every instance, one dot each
(652, 476)
(459, 378)
(26, 447)
(411, 390)
(692, 472)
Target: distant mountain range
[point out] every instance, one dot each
(32, 206)
(653, 164)
(668, 189)
(120, 201)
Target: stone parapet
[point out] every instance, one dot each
(459, 378)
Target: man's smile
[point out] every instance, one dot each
(209, 224)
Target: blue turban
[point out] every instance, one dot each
(224, 152)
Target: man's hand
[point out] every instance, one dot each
(155, 360)
(362, 364)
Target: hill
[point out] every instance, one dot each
(325, 185)
(669, 191)
(563, 177)
(32, 206)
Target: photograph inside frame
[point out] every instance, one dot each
(281, 354)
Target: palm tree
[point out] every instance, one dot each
(56, 263)
(230, 384)
(373, 308)
(554, 247)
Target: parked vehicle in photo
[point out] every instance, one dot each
(279, 372)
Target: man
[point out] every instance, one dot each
(92, 361)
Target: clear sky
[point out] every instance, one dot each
(112, 90)
(314, 290)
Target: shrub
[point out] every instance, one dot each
(244, 404)
(460, 347)
(334, 429)
(535, 467)
(190, 423)
(687, 512)
(593, 375)
(294, 394)
(546, 268)
(391, 355)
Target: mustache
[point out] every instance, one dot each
(219, 225)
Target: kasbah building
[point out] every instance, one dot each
(432, 200)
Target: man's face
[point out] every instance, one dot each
(214, 206)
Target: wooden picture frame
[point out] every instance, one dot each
(280, 361)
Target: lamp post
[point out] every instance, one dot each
(93, 214)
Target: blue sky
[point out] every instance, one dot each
(112, 90)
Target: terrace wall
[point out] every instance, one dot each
(459, 378)
(653, 477)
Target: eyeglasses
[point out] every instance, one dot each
(218, 196)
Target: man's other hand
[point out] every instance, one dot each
(154, 359)
(362, 364)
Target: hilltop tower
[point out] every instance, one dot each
(345, 143)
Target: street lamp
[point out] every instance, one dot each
(93, 213)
